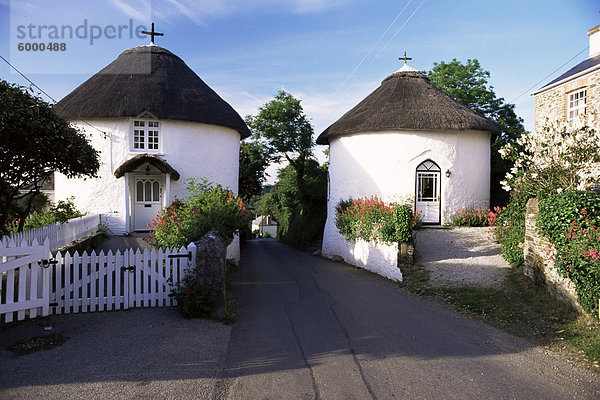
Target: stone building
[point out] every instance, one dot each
(405, 138)
(155, 124)
(573, 93)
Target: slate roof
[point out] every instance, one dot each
(582, 66)
(150, 78)
(407, 100)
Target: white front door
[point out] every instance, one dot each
(147, 201)
(428, 192)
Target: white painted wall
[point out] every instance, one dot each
(384, 164)
(193, 149)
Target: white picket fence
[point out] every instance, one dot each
(32, 283)
(59, 234)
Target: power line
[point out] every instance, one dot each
(371, 49)
(547, 76)
(47, 95)
(378, 40)
(397, 32)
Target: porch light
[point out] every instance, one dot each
(448, 173)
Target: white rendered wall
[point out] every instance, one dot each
(384, 164)
(193, 149)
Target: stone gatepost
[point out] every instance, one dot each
(211, 267)
(406, 251)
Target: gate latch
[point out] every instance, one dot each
(130, 268)
(46, 263)
(188, 255)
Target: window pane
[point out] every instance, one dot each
(427, 187)
(576, 103)
(139, 191)
(155, 191)
(147, 191)
(136, 123)
(138, 139)
(153, 140)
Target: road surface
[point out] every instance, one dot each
(309, 328)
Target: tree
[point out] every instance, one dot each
(298, 199)
(35, 142)
(294, 227)
(286, 132)
(254, 160)
(468, 83)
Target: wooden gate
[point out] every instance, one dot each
(24, 273)
(114, 281)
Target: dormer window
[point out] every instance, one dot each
(576, 102)
(146, 136)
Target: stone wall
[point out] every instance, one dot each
(539, 265)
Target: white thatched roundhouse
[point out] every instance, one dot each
(162, 125)
(405, 138)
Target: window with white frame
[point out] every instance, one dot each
(145, 135)
(576, 102)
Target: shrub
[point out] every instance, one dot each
(571, 221)
(556, 158)
(508, 228)
(373, 219)
(471, 217)
(60, 212)
(207, 206)
(193, 300)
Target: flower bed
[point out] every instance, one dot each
(372, 219)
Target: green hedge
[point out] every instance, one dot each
(571, 221)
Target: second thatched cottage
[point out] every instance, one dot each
(405, 138)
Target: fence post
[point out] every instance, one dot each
(46, 280)
(192, 249)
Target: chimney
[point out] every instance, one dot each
(594, 35)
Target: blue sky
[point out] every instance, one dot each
(248, 50)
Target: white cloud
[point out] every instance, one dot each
(138, 10)
(200, 11)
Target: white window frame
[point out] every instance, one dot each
(576, 103)
(145, 136)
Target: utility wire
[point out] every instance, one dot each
(397, 32)
(47, 95)
(378, 40)
(547, 76)
(371, 49)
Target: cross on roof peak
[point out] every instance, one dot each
(152, 34)
(404, 58)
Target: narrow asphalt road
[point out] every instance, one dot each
(309, 328)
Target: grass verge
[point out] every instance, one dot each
(521, 308)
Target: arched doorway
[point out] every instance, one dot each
(428, 189)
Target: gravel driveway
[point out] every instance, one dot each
(460, 257)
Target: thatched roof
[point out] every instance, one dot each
(406, 100)
(139, 160)
(149, 78)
